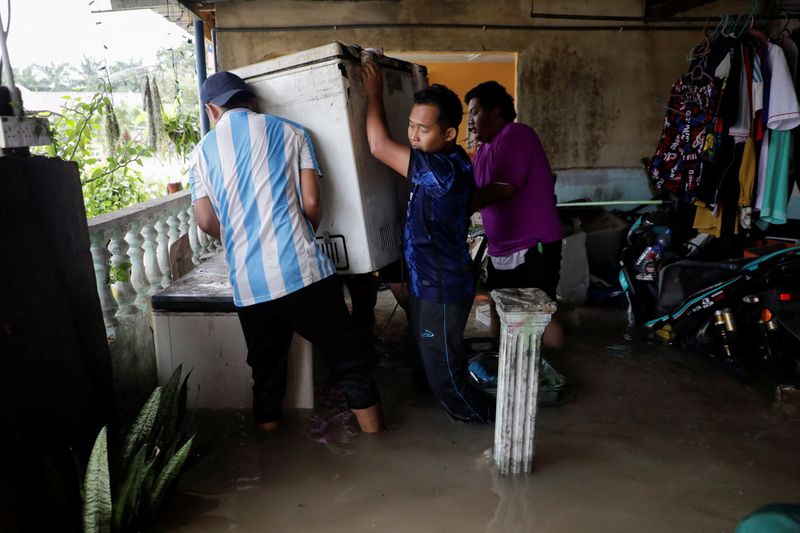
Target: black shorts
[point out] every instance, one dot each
(394, 273)
(541, 270)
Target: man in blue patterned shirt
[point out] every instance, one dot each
(442, 286)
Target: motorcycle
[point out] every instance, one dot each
(743, 313)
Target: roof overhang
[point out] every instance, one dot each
(181, 12)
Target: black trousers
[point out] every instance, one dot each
(439, 330)
(317, 313)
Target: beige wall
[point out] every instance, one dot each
(595, 97)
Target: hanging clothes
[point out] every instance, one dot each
(677, 164)
(783, 115)
(727, 152)
(747, 178)
(743, 127)
(706, 221)
(726, 50)
(747, 174)
(794, 38)
(784, 111)
(775, 195)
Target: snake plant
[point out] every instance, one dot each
(125, 491)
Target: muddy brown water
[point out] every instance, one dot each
(653, 440)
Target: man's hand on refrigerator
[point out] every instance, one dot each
(372, 79)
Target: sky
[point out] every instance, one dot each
(62, 31)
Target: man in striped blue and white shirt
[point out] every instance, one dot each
(254, 182)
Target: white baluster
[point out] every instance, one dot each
(151, 268)
(183, 226)
(100, 257)
(163, 252)
(121, 268)
(138, 275)
(174, 232)
(194, 237)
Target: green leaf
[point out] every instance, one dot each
(166, 420)
(165, 478)
(182, 396)
(140, 431)
(129, 494)
(97, 489)
(149, 478)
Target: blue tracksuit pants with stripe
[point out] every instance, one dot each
(438, 329)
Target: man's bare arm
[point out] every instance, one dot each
(492, 194)
(383, 147)
(206, 217)
(309, 192)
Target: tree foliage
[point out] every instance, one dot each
(109, 142)
(89, 75)
(110, 180)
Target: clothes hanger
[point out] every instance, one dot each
(747, 24)
(726, 25)
(702, 48)
(785, 28)
(699, 73)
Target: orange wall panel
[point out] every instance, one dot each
(461, 77)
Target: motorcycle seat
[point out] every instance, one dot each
(679, 280)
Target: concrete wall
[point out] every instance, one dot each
(595, 97)
(133, 363)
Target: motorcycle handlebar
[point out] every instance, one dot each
(711, 264)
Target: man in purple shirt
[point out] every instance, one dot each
(516, 197)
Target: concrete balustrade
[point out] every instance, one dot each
(524, 313)
(132, 245)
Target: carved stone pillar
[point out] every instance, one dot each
(163, 252)
(151, 267)
(121, 269)
(194, 240)
(136, 252)
(100, 257)
(183, 226)
(174, 231)
(523, 313)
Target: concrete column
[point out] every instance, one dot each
(200, 64)
(523, 313)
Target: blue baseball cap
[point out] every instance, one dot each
(221, 87)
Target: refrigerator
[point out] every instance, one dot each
(364, 202)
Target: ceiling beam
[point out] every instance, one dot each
(661, 10)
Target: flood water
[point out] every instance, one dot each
(647, 439)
